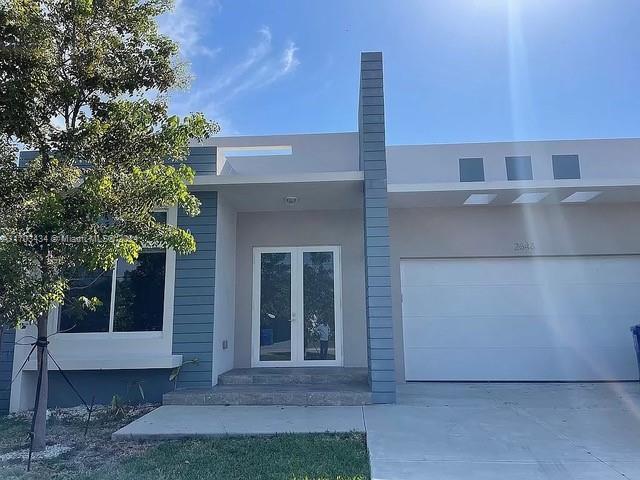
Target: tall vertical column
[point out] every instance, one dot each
(373, 162)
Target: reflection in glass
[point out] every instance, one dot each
(275, 307)
(139, 303)
(319, 313)
(160, 217)
(74, 316)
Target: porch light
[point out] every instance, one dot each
(480, 199)
(579, 197)
(531, 197)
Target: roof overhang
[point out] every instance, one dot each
(311, 191)
(513, 193)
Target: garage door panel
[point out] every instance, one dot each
(542, 364)
(456, 275)
(464, 272)
(553, 269)
(518, 331)
(609, 268)
(536, 299)
(549, 318)
(461, 301)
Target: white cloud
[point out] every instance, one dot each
(184, 25)
(260, 66)
(289, 59)
(255, 55)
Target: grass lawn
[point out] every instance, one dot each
(290, 457)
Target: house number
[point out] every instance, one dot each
(524, 246)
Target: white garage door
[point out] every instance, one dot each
(540, 318)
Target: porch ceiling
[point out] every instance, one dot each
(407, 196)
(319, 192)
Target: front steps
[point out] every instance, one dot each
(294, 376)
(281, 386)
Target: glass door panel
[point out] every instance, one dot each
(275, 307)
(319, 306)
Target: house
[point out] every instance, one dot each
(332, 266)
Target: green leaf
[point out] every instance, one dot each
(102, 167)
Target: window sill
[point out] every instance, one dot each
(122, 362)
(110, 335)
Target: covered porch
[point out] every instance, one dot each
(290, 315)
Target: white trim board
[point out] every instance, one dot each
(214, 180)
(510, 185)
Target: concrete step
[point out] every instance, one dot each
(293, 376)
(293, 394)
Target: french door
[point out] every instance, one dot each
(297, 307)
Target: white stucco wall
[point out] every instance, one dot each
(304, 228)
(603, 229)
(310, 153)
(225, 288)
(599, 159)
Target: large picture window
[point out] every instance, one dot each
(139, 296)
(131, 296)
(73, 316)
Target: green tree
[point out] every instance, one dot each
(84, 84)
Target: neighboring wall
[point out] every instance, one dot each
(304, 228)
(376, 221)
(225, 305)
(493, 232)
(6, 368)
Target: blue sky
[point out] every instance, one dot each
(455, 70)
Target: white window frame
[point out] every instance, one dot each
(169, 284)
(117, 350)
(297, 307)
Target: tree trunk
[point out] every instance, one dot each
(40, 421)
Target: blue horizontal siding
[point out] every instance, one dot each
(6, 369)
(104, 384)
(187, 273)
(202, 160)
(376, 226)
(194, 295)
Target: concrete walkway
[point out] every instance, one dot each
(453, 431)
(182, 421)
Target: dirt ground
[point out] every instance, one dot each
(65, 433)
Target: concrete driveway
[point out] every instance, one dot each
(507, 431)
(442, 431)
